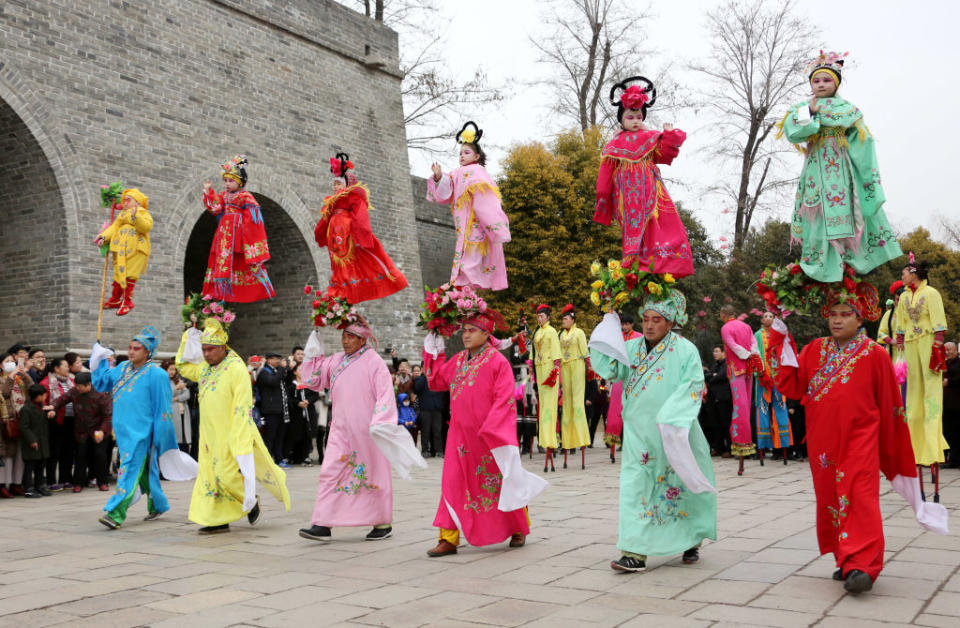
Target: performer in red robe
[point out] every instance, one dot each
(235, 270)
(855, 429)
(631, 191)
(362, 270)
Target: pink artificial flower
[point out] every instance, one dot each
(206, 310)
(742, 317)
(229, 317)
(207, 297)
(707, 299)
(216, 308)
(786, 313)
(482, 305)
(467, 304)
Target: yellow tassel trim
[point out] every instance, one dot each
(330, 200)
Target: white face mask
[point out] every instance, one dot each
(9, 367)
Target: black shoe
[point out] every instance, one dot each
(32, 493)
(628, 563)
(857, 582)
(110, 523)
(254, 515)
(43, 490)
(316, 533)
(378, 534)
(691, 556)
(152, 515)
(214, 529)
(838, 574)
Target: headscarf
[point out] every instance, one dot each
(149, 337)
(136, 195)
(213, 333)
(486, 321)
(673, 307)
(864, 300)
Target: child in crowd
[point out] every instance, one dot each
(35, 441)
(407, 416)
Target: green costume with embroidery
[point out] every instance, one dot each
(838, 216)
(659, 514)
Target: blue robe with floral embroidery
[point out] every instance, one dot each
(142, 423)
(659, 515)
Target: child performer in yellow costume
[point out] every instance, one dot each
(921, 326)
(546, 362)
(573, 381)
(129, 238)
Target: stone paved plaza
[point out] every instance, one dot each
(60, 567)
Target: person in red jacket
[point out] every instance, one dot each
(362, 270)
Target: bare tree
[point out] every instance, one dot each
(591, 43)
(753, 77)
(432, 95)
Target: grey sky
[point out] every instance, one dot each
(904, 60)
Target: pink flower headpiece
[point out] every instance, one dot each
(634, 97)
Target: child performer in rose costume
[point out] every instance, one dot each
(630, 190)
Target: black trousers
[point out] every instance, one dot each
(63, 448)
(92, 455)
(431, 432)
(593, 420)
(321, 442)
(297, 438)
(274, 430)
(720, 415)
(33, 473)
(951, 432)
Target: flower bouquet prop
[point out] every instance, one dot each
(331, 311)
(614, 286)
(443, 308)
(110, 198)
(787, 290)
(197, 308)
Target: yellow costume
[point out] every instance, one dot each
(228, 436)
(546, 349)
(919, 317)
(129, 239)
(573, 377)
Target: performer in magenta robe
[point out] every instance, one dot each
(856, 429)
(740, 346)
(482, 226)
(355, 486)
(631, 191)
(613, 429)
(485, 490)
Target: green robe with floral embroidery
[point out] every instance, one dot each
(659, 515)
(838, 216)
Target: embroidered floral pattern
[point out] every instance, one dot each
(353, 479)
(467, 370)
(836, 364)
(667, 506)
(648, 368)
(490, 482)
(839, 514)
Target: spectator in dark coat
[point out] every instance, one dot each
(719, 402)
(303, 421)
(35, 441)
(274, 405)
(431, 417)
(951, 404)
(92, 412)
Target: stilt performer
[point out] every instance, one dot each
(838, 217)
(547, 360)
(235, 268)
(128, 237)
(631, 191)
(773, 420)
(574, 431)
(485, 490)
(921, 327)
(361, 269)
(482, 226)
(741, 348)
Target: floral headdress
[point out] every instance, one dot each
(341, 167)
(788, 290)
(332, 311)
(633, 96)
(468, 135)
(830, 62)
(615, 285)
(445, 308)
(197, 308)
(236, 169)
(856, 293)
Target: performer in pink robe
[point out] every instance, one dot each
(485, 490)
(740, 344)
(482, 226)
(613, 428)
(631, 191)
(355, 486)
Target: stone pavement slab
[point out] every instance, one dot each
(62, 568)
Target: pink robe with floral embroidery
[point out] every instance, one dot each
(355, 486)
(482, 227)
(483, 417)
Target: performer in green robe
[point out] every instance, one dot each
(838, 216)
(668, 503)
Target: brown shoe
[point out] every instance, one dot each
(443, 548)
(518, 540)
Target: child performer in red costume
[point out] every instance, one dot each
(362, 270)
(630, 190)
(235, 270)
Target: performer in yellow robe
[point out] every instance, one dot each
(921, 327)
(546, 361)
(129, 239)
(574, 431)
(232, 454)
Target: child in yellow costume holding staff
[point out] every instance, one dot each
(573, 381)
(129, 239)
(546, 362)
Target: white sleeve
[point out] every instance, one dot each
(177, 466)
(395, 443)
(314, 346)
(930, 516)
(803, 115)
(741, 353)
(607, 338)
(676, 444)
(193, 349)
(503, 345)
(519, 486)
(98, 354)
(249, 472)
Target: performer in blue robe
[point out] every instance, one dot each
(143, 425)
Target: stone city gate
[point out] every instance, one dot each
(158, 95)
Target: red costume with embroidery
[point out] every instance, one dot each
(235, 270)
(855, 428)
(362, 270)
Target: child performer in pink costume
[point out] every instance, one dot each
(485, 490)
(740, 344)
(355, 487)
(630, 190)
(474, 200)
